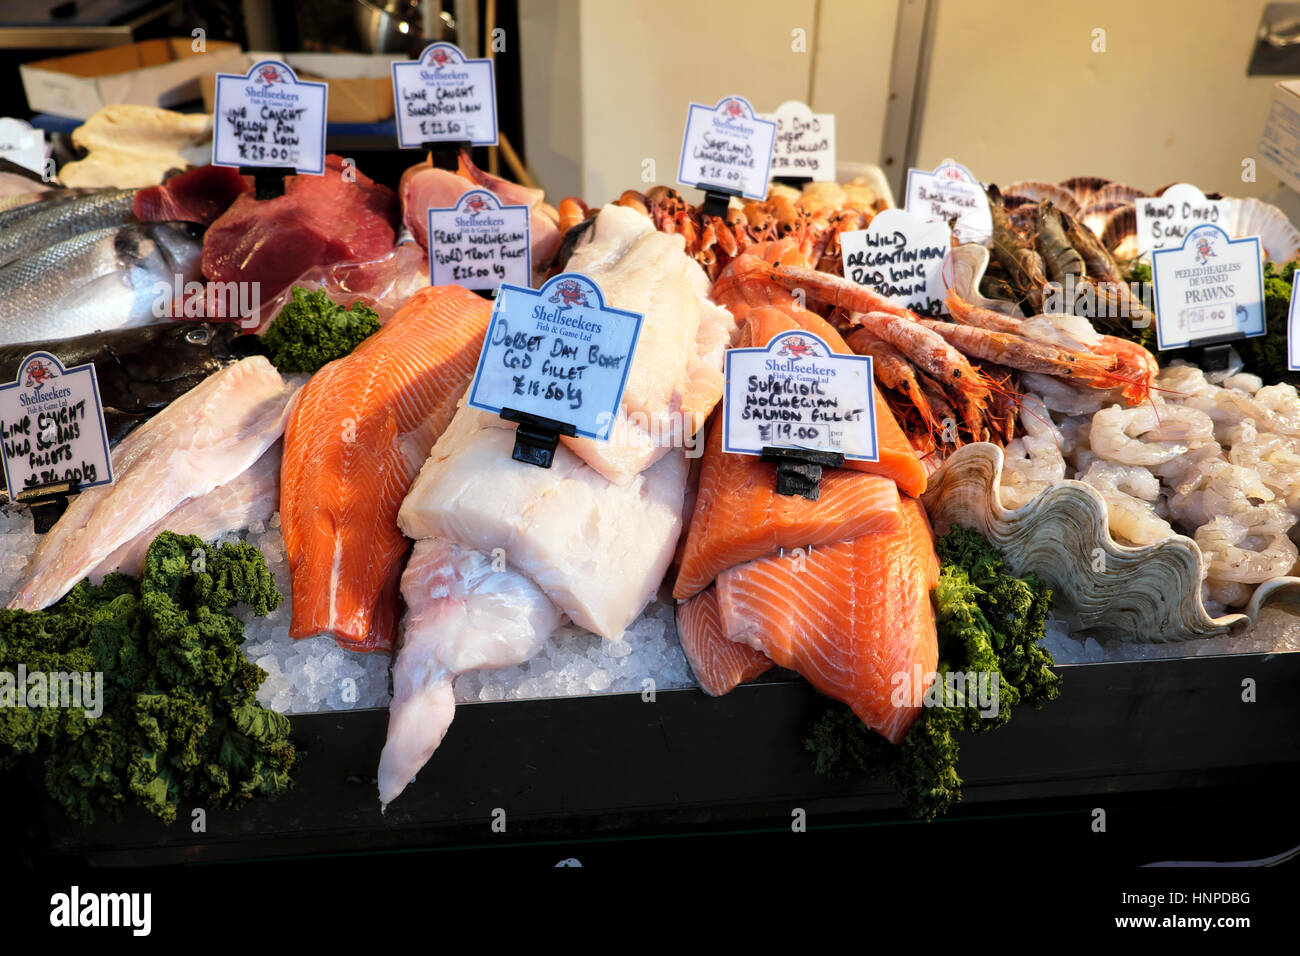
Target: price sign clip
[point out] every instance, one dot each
(1216, 354)
(716, 201)
(47, 502)
(799, 470)
(536, 437)
(268, 181)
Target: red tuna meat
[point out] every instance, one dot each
(200, 195)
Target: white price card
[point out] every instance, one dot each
(903, 258)
(444, 97)
(727, 148)
(52, 426)
(479, 243)
(1209, 287)
(796, 392)
(805, 142)
(23, 144)
(1293, 332)
(557, 352)
(950, 192)
(1164, 221)
(269, 117)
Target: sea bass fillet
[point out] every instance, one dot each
(357, 437)
(675, 378)
(854, 618)
(204, 439)
(253, 495)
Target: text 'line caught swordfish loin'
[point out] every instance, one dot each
(589, 539)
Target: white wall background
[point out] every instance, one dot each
(1015, 90)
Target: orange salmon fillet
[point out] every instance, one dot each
(739, 516)
(356, 440)
(854, 618)
(719, 664)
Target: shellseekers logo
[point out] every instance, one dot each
(1204, 250)
(796, 347)
(440, 58)
(733, 109)
(570, 293)
(475, 204)
(268, 73)
(38, 373)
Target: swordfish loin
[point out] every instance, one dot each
(494, 573)
(205, 439)
(675, 378)
(356, 439)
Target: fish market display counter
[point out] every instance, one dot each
(579, 766)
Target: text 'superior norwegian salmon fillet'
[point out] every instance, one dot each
(854, 618)
(356, 439)
(719, 664)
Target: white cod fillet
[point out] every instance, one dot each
(676, 374)
(571, 543)
(465, 614)
(252, 495)
(199, 442)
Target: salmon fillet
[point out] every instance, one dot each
(854, 618)
(739, 516)
(719, 664)
(362, 428)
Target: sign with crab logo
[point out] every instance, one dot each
(558, 352)
(269, 117)
(479, 243)
(1208, 289)
(796, 392)
(727, 148)
(950, 194)
(444, 97)
(52, 426)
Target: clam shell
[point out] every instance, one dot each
(1037, 190)
(1140, 594)
(969, 262)
(1250, 217)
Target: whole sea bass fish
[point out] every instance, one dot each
(63, 219)
(96, 282)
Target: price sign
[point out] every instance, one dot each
(727, 148)
(22, 144)
(557, 352)
(805, 142)
(1164, 221)
(901, 257)
(950, 192)
(479, 243)
(1292, 333)
(52, 426)
(1209, 287)
(443, 97)
(269, 118)
(796, 392)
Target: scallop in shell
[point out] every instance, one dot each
(1251, 217)
(1083, 188)
(1037, 190)
(1141, 594)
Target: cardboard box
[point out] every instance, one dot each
(150, 73)
(1279, 145)
(361, 85)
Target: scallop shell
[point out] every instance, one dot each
(1096, 214)
(1037, 190)
(1083, 188)
(1119, 235)
(1140, 594)
(1116, 192)
(1250, 217)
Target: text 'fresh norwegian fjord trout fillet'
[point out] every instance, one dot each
(356, 439)
(202, 441)
(507, 549)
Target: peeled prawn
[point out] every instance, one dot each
(1129, 492)
(1033, 461)
(1251, 547)
(1117, 432)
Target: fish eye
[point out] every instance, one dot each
(198, 336)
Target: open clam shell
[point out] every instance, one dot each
(1251, 217)
(1141, 594)
(969, 262)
